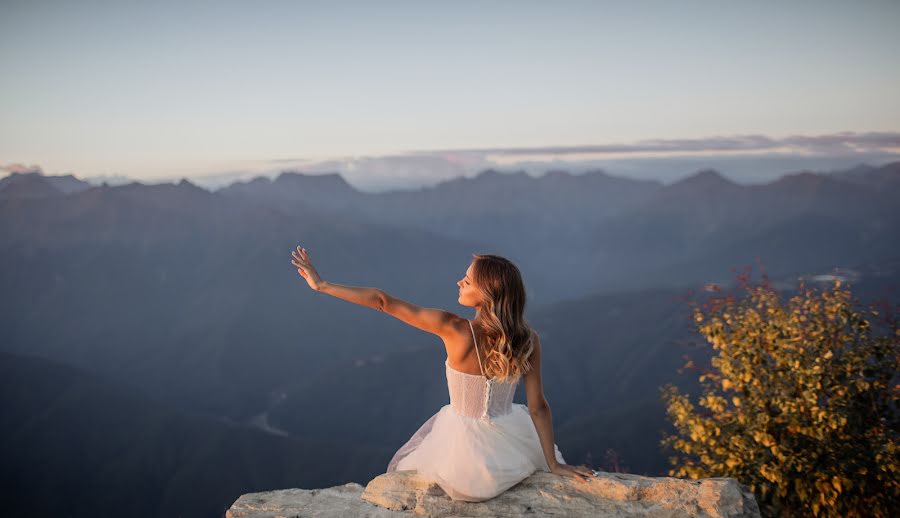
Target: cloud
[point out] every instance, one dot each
(750, 158)
(378, 173)
(836, 143)
(21, 168)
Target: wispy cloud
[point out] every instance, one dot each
(821, 144)
(749, 158)
(21, 168)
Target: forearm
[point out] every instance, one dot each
(543, 423)
(370, 297)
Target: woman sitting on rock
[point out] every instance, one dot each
(482, 443)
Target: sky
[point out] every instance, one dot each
(163, 89)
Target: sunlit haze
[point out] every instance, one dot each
(407, 91)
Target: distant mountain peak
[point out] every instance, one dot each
(495, 174)
(259, 180)
(704, 180)
(860, 169)
(488, 174)
(596, 172)
(805, 177)
(332, 181)
(557, 173)
(27, 185)
(185, 183)
(885, 176)
(710, 175)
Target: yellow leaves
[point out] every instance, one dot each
(836, 482)
(769, 473)
(712, 402)
(763, 438)
(791, 429)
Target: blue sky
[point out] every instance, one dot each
(157, 89)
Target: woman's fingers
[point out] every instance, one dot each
(574, 472)
(583, 473)
(301, 260)
(300, 254)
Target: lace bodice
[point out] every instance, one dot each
(477, 396)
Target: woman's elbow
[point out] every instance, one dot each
(379, 300)
(539, 407)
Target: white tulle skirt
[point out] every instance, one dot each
(474, 459)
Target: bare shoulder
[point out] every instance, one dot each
(458, 340)
(433, 320)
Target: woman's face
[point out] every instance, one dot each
(468, 295)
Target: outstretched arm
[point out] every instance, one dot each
(369, 297)
(435, 321)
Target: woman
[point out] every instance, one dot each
(481, 444)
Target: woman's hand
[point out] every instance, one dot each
(306, 269)
(580, 472)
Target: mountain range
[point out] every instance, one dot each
(179, 305)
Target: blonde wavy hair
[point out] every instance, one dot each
(509, 339)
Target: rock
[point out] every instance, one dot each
(404, 494)
(338, 501)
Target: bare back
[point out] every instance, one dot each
(461, 354)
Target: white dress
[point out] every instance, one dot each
(479, 445)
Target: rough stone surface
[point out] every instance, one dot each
(313, 503)
(404, 494)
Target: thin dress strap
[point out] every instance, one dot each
(476, 347)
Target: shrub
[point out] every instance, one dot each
(799, 404)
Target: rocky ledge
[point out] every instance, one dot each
(404, 494)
